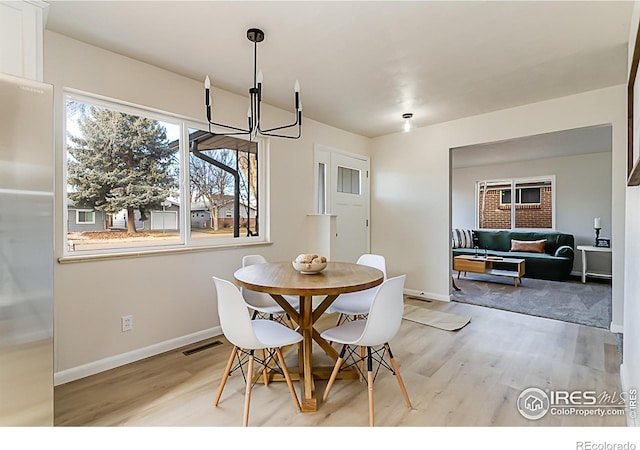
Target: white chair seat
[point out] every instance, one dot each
(273, 309)
(272, 334)
(347, 333)
(260, 301)
(356, 305)
(353, 303)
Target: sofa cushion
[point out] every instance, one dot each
(462, 238)
(496, 240)
(528, 246)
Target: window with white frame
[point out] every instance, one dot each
(127, 162)
(85, 217)
(523, 203)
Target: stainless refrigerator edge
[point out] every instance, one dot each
(26, 252)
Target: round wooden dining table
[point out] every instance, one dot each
(280, 278)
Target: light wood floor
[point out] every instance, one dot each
(470, 377)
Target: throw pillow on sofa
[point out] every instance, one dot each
(462, 238)
(528, 246)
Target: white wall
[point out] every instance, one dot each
(630, 369)
(411, 183)
(170, 296)
(583, 191)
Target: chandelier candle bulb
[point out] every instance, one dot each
(207, 95)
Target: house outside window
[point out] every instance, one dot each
(532, 205)
(156, 180)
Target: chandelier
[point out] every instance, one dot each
(254, 128)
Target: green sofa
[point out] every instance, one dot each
(554, 264)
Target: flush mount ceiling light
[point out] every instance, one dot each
(407, 121)
(254, 129)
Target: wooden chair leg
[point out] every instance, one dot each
(227, 370)
(287, 377)
(340, 316)
(394, 366)
(370, 384)
(247, 394)
(334, 373)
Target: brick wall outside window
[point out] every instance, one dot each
(497, 216)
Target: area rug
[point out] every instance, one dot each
(570, 301)
(437, 319)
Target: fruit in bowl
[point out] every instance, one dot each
(308, 263)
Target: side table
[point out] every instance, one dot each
(590, 248)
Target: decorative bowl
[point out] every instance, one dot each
(309, 268)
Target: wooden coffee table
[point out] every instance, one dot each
(484, 264)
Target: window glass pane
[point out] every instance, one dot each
(529, 195)
(85, 217)
(535, 207)
(493, 212)
(322, 190)
(223, 188)
(348, 181)
(505, 196)
(355, 182)
(121, 166)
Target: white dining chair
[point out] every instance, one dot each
(262, 304)
(371, 335)
(356, 305)
(247, 336)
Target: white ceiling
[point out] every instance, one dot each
(362, 64)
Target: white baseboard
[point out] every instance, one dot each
(111, 362)
(427, 295)
(624, 382)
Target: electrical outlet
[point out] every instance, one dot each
(127, 323)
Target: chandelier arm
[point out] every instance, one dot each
(298, 122)
(278, 128)
(264, 133)
(240, 130)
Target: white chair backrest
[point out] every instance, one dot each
(234, 316)
(249, 260)
(385, 315)
(375, 261)
(253, 298)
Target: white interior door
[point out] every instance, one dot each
(348, 189)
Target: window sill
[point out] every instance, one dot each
(70, 259)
